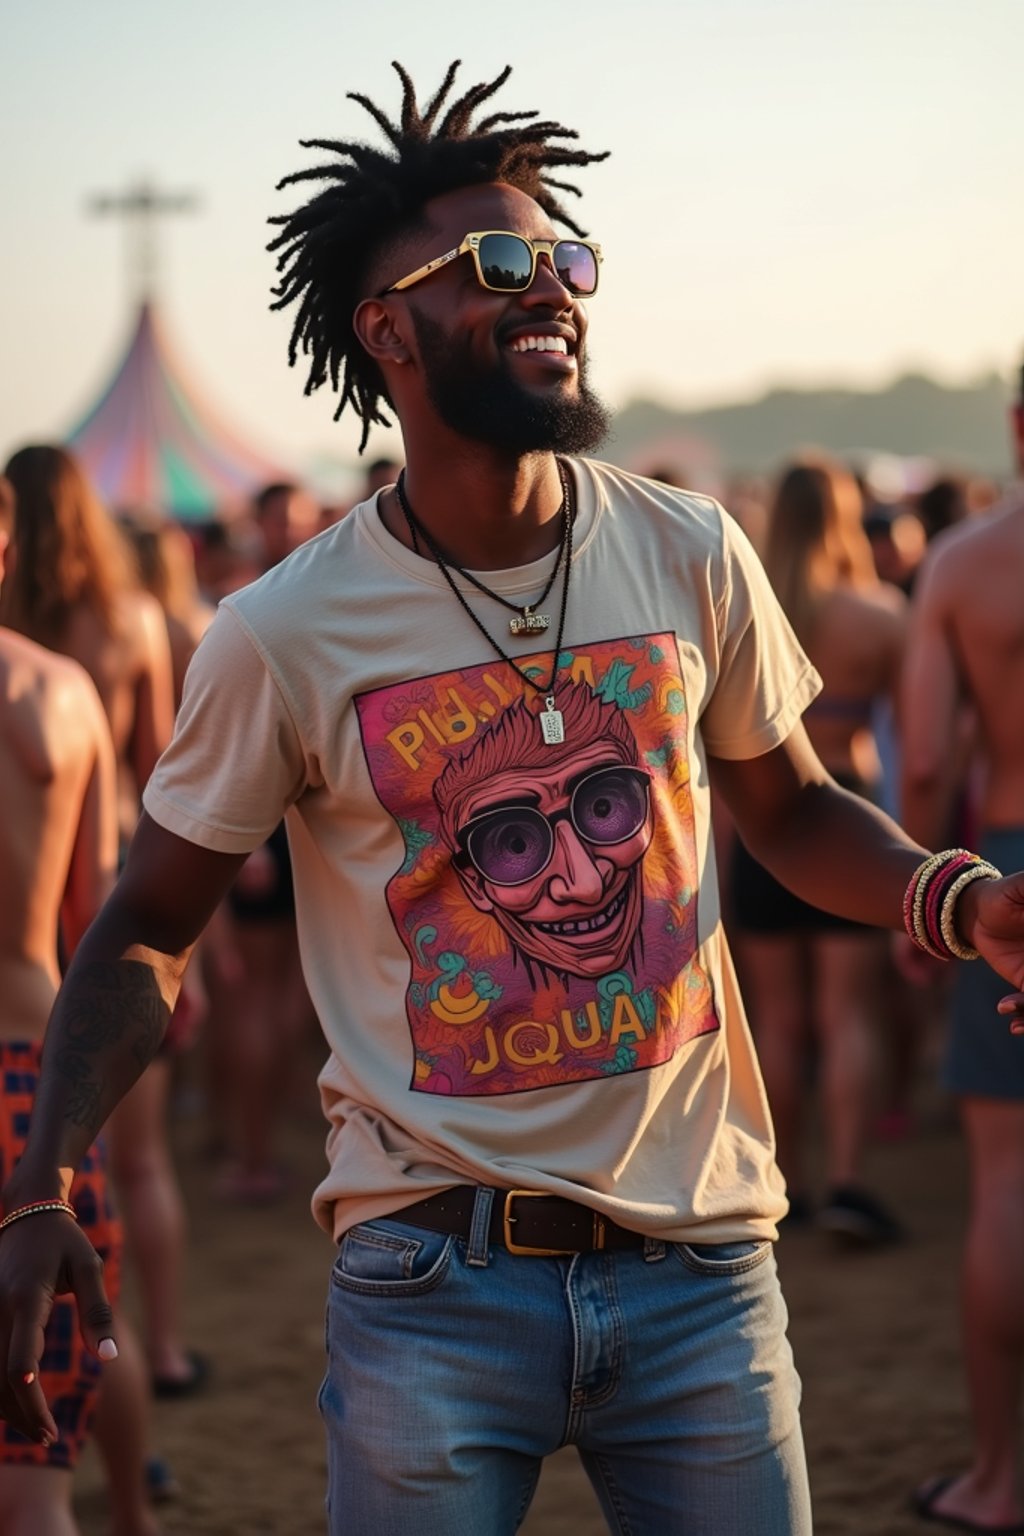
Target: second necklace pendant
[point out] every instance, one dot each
(529, 623)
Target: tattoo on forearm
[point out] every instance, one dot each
(84, 1104)
(101, 1006)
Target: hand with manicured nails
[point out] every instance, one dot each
(44, 1256)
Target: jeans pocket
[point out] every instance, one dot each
(385, 1258)
(724, 1258)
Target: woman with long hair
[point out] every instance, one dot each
(74, 589)
(808, 973)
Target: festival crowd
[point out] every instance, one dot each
(843, 1017)
(520, 886)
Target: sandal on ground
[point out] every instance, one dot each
(184, 1386)
(927, 1496)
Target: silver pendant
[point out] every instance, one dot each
(529, 623)
(551, 723)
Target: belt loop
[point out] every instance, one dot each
(654, 1250)
(479, 1228)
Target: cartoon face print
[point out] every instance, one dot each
(546, 896)
(554, 855)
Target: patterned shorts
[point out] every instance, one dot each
(68, 1372)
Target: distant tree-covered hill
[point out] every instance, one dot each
(963, 427)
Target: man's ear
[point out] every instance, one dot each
(380, 329)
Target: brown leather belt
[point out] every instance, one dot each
(523, 1221)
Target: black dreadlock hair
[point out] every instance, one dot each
(327, 246)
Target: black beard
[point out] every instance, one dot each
(492, 407)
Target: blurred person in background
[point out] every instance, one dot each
(285, 516)
(747, 498)
(225, 555)
(58, 853)
(898, 541)
(807, 970)
(166, 561)
(260, 1009)
(966, 645)
(166, 565)
(379, 475)
(984, 494)
(73, 589)
(332, 512)
(942, 504)
(668, 474)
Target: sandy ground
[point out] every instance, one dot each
(875, 1337)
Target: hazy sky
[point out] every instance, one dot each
(800, 190)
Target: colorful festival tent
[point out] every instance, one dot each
(150, 442)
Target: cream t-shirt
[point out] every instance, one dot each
(515, 948)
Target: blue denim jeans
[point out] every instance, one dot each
(454, 1369)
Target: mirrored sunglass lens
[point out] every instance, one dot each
(576, 266)
(511, 846)
(505, 261)
(610, 807)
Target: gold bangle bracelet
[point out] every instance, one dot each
(947, 916)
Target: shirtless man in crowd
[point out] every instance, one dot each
(73, 590)
(58, 852)
(967, 645)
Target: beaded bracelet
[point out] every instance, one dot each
(935, 898)
(915, 896)
(950, 937)
(930, 882)
(929, 903)
(36, 1207)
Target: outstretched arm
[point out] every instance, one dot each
(831, 847)
(841, 853)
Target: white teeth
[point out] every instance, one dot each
(541, 344)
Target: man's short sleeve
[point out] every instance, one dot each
(236, 761)
(765, 681)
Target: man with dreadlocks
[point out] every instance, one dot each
(490, 701)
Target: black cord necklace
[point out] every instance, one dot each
(551, 722)
(527, 620)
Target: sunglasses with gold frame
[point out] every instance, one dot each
(576, 263)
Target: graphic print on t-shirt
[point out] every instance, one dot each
(548, 895)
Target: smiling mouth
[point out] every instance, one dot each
(540, 344)
(596, 922)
